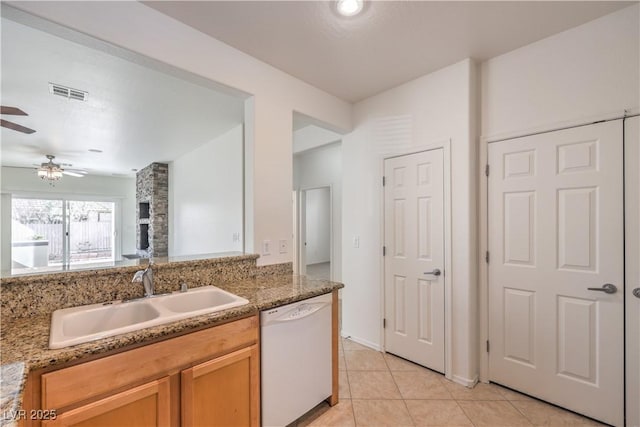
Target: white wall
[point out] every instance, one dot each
(205, 197)
(25, 181)
(313, 136)
(583, 73)
(320, 167)
(430, 109)
(276, 96)
(318, 225)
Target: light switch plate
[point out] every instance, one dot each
(266, 247)
(356, 241)
(283, 246)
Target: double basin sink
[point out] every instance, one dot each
(77, 325)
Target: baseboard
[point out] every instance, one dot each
(366, 343)
(465, 381)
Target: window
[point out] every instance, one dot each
(54, 233)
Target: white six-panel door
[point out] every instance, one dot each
(555, 230)
(632, 240)
(414, 240)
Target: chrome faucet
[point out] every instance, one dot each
(146, 277)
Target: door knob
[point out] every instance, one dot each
(435, 272)
(636, 292)
(607, 288)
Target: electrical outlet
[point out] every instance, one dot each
(266, 247)
(283, 246)
(356, 241)
(236, 237)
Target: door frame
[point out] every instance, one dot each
(483, 221)
(298, 243)
(445, 146)
(632, 207)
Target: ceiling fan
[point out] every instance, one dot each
(53, 171)
(14, 111)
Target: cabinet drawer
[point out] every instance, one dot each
(98, 377)
(144, 406)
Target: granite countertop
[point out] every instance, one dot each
(128, 264)
(24, 342)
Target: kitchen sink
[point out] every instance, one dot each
(199, 299)
(77, 325)
(96, 320)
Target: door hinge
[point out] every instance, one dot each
(384, 251)
(487, 346)
(486, 170)
(384, 181)
(486, 257)
(384, 323)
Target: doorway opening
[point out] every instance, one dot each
(317, 199)
(315, 240)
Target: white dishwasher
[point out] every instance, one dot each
(296, 359)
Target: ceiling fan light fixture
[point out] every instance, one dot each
(50, 171)
(49, 174)
(349, 7)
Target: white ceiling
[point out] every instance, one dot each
(134, 114)
(391, 42)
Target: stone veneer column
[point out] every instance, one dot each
(152, 186)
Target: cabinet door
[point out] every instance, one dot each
(142, 406)
(224, 391)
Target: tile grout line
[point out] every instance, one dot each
(465, 413)
(404, 401)
(346, 371)
(520, 412)
(346, 374)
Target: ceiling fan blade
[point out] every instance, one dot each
(15, 126)
(78, 171)
(12, 111)
(73, 173)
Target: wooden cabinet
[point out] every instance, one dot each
(210, 377)
(143, 406)
(206, 378)
(223, 392)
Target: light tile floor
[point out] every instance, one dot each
(379, 390)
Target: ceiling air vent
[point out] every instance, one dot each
(68, 92)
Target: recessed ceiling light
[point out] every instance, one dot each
(95, 150)
(349, 7)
